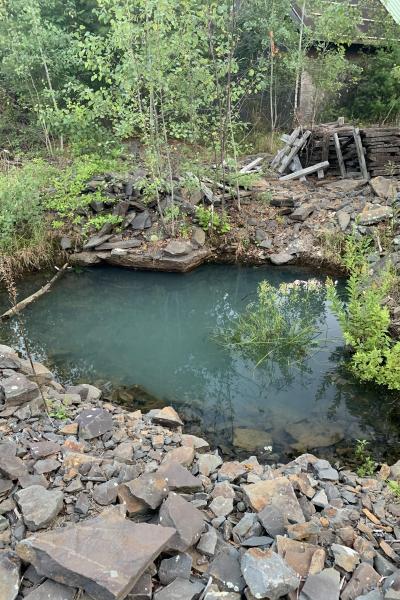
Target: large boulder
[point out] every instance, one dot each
(104, 556)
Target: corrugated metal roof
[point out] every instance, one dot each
(393, 6)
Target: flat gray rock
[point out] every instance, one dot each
(94, 423)
(180, 589)
(39, 506)
(179, 479)
(43, 449)
(281, 258)
(143, 494)
(106, 493)
(50, 590)
(325, 470)
(11, 466)
(18, 389)
(9, 575)
(208, 542)
(177, 566)
(225, 570)
(105, 556)
(267, 574)
(185, 518)
(177, 248)
(324, 585)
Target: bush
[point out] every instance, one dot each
(365, 319)
(209, 219)
(22, 225)
(281, 325)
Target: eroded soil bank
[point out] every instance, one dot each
(116, 504)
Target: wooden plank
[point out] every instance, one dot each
(306, 171)
(360, 153)
(290, 140)
(297, 146)
(339, 155)
(251, 165)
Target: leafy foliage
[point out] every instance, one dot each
(366, 463)
(281, 325)
(365, 319)
(21, 209)
(210, 220)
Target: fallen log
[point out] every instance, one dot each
(43, 290)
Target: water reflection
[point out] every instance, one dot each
(146, 338)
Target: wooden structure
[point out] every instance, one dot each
(354, 152)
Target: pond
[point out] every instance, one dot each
(147, 339)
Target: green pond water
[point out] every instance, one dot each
(147, 339)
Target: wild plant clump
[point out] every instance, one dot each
(365, 319)
(283, 325)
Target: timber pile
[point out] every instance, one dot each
(382, 147)
(288, 158)
(347, 148)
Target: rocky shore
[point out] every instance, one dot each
(279, 223)
(100, 503)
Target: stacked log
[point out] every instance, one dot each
(382, 145)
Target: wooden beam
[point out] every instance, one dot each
(251, 165)
(360, 153)
(297, 146)
(289, 142)
(306, 171)
(339, 155)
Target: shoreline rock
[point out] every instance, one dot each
(140, 510)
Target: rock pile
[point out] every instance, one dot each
(109, 504)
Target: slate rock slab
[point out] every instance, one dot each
(18, 389)
(44, 449)
(323, 586)
(180, 589)
(105, 556)
(11, 466)
(9, 575)
(39, 506)
(185, 518)
(166, 416)
(143, 494)
(50, 590)
(267, 574)
(179, 479)
(281, 258)
(225, 570)
(177, 566)
(106, 493)
(94, 423)
(277, 493)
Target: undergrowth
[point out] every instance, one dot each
(365, 319)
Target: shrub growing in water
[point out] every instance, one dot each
(365, 319)
(281, 325)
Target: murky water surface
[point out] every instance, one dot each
(147, 339)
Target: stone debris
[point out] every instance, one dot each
(72, 492)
